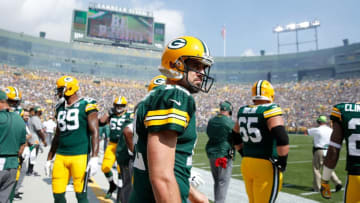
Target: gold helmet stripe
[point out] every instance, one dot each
(258, 88)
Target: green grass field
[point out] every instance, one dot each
(298, 175)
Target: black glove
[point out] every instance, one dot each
(280, 162)
(231, 153)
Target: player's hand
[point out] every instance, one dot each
(325, 189)
(93, 166)
(195, 179)
(48, 166)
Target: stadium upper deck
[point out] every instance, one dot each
(23, 50)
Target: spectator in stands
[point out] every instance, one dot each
(321, 135)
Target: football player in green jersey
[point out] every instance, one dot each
(346, 125)
(116, 118)
(76, 134)
(12, 140)
(265, 144)
(165, 125)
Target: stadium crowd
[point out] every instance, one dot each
(301, 101)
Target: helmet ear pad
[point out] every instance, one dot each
(178, 65)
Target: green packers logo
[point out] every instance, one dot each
(68, 79)
(159, 81)
(177, 43)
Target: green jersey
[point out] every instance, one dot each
(258, 142)
(348, 115)
(219, 131)
(104, 131)
(117, 125)
(168, 107)
(73, 125)
(12, 136)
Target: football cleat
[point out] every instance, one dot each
(178, 51)
(157, 81)
(325, 189)
(263, 90)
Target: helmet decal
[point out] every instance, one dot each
(68, 79)
(177, 43)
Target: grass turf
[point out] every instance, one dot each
(298, 175)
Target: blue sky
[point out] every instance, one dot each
(249, 24)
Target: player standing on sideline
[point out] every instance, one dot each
(77, 126)
(12, 140)
(321, 136)
(124, 151)
(346, 125)
(220, 151)
(265, 144)
(165, 125)
(116, 117)
(14, 99)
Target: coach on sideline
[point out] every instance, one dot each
(220, 151)
(321, 141)
(12, 140)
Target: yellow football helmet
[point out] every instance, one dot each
(176, 53)
(263, 90)
(120, 101)
(14, 96)
(67, 85)
(157, 81)
(119, 105)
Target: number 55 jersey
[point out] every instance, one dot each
(73, 126)
(258, 142)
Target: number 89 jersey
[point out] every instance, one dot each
(258, 142)
(348, 115)
(73, 126)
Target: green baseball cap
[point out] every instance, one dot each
(37, 108)
(3, 95)
(322, 119)
(225, 106)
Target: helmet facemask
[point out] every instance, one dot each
(206, 80)
(119, 108)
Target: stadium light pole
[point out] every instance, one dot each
(296, 27)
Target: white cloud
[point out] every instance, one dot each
(33, 16)
(248, 52)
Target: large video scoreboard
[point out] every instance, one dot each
(117, 27)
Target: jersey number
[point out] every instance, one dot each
(68, 120)
(116, 123)
(354, 139)
(249, 132)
